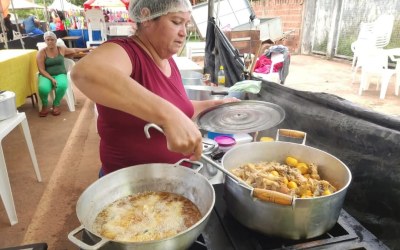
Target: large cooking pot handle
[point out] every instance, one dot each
(273, 196)
(292, 134)
(83, 245)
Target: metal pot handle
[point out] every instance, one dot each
(151, 125)
(292, 134)
(219, 92)
(206, 145)
(195, 165)
(83, 245)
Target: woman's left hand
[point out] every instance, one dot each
(200, 106)
(226, 100)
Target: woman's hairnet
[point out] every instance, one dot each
(49, 34)
(156, 8)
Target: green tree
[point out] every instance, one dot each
(22, 14)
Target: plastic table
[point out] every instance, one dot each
(71, 40)
(18, 69)
(6, 126)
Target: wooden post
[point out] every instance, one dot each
(333, 32)
(308, 26)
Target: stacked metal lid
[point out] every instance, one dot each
(246, 116)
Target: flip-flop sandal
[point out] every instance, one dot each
(43, 114)
(56, 111)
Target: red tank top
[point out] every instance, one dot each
(122, 139)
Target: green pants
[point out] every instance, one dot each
(45, 86)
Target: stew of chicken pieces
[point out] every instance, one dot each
(294, 178)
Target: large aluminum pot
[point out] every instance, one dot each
(8, 106)
(306, 218)
(147, 177)
(203, 92)
(192, 78)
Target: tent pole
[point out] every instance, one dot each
(217, 14)
(3, 28)
(36, 13)
(16, 20)
(210, 9)
(46, 14)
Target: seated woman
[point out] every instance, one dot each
(52, 72)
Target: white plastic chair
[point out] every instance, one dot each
(17, 35)
(364, 39)
(396, 58)
(95, 22)
(383, 30)
(69, 94)
(375, 35)
(375, 64)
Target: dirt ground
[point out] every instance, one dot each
(315, 74)
(67, 151)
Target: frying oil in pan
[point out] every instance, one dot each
(146, 216)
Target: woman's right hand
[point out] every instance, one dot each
(54, 82)
(183, 136)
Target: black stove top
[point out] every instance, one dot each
(224, 232)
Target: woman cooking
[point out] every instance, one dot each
(135, 81)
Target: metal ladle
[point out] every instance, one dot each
(262, 194)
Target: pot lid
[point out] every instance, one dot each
(4, 95)
(241, 117)
(225, 141)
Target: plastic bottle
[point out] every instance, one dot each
(221, 76)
